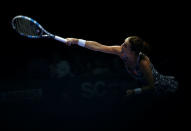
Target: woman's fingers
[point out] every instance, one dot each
(71, 41)
(129, 92)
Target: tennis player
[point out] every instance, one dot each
(137, 63)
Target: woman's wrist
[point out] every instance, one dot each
(81, 42)
(137, 90)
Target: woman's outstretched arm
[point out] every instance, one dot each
(95, 46)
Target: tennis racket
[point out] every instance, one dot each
(30, 28)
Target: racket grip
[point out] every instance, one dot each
(58, 38)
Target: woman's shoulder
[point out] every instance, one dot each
(143, 60)
(143, 57)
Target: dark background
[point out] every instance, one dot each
(89, 94)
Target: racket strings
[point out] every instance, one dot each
(26, 27)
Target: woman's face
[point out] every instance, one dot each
(126, 50)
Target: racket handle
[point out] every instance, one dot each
(58, 38)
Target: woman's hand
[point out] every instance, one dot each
(129, 92)
(71, 41)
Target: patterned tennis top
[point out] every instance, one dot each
(162, 83)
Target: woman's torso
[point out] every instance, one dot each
(160, 81)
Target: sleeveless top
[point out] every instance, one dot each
(162, 83)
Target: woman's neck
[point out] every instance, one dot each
(130, 61)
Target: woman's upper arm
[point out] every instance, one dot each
(95, 46)
(112, 49)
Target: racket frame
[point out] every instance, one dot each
(47, 34)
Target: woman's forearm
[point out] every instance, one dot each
(144, 88)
